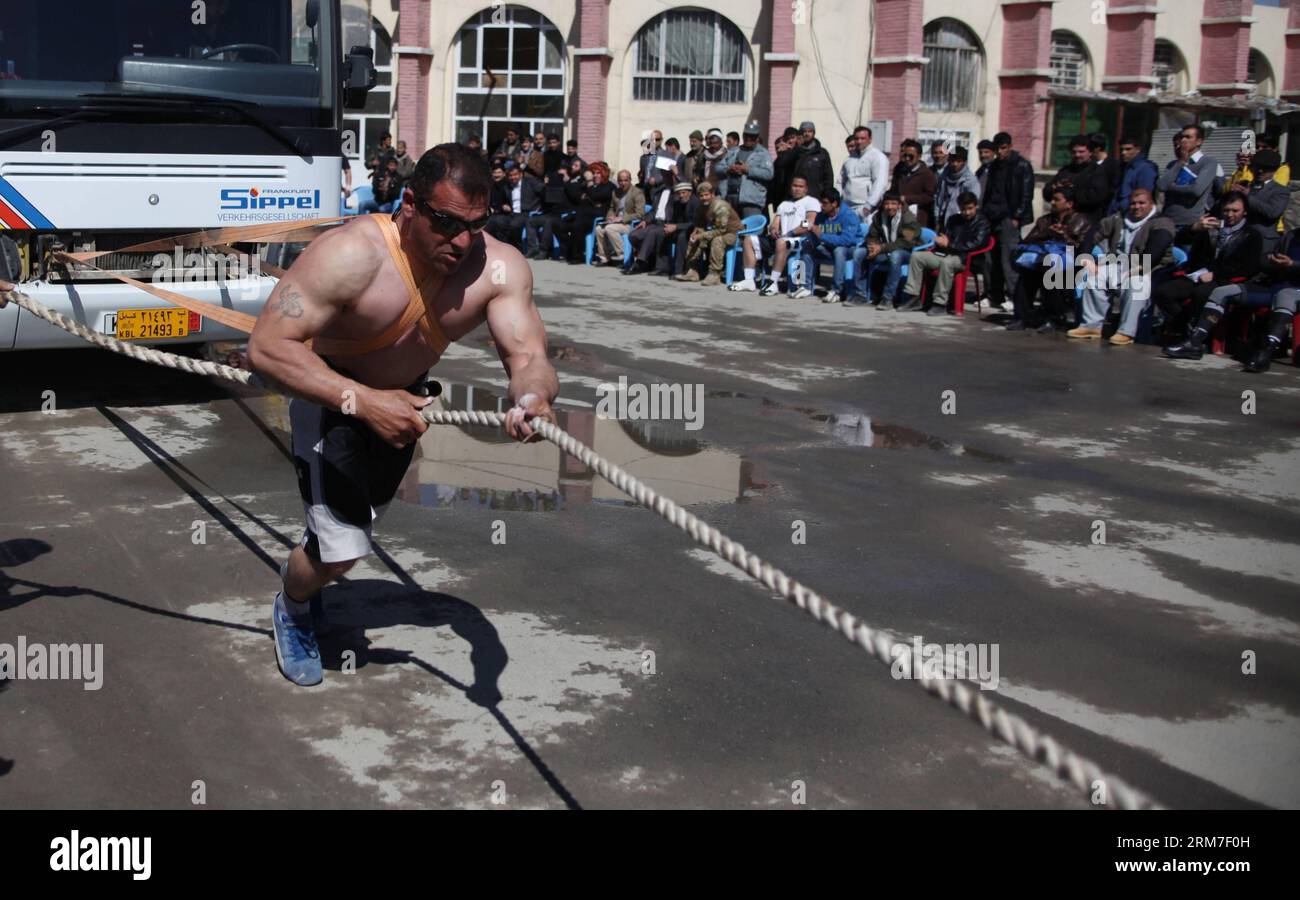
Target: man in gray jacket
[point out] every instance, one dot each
(1187, 183)
(957, 179)
(746, 172)
(864, 177)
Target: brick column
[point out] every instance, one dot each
(1025, 73)
(896, 69)
(1225, 47)
(413, 64)
(1290, 88)
(1130, 46)
(592, 58)
(779, 64)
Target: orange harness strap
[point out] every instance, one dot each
(416, 310)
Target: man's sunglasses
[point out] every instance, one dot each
(449, 226)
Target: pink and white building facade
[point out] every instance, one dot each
(607, 71)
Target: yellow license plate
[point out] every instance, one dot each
(152, 324)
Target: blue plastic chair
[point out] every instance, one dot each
(364, 194)
(752, 225)
(591, 238)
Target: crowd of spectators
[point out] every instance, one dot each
(1122, 244)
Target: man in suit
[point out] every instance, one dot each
(653, 240)
(518, 196)
(1223, 252)
(1188, 182)
(1266, 200)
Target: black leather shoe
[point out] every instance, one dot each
(937, 311)
(1187, 350)
(912, 305)
(1048, 327)
(1016, 325)
(1261, 359)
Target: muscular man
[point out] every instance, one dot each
(379, 299)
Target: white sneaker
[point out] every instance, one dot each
(801, 294)
(746, 285)
(833, 297)
(1008, 306)
(773, 288)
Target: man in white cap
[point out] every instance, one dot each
(714, 152)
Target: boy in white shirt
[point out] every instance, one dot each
(793, 221)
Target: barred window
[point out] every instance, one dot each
(1168, 68)
(1069, 61)
(693, 56)
(954, 78)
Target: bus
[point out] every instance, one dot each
(130, 122)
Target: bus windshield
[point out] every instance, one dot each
(264, 51)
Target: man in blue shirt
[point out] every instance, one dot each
(836, 233)
(1138, 173)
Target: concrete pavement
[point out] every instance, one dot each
(634, 669)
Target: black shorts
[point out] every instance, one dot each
(347, 475)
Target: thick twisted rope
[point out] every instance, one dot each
(1080, 772)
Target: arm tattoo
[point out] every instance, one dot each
(289, 302)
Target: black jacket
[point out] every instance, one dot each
(1265, 204)
(779, 190)
(813, 163)
(1241, 258)
(1272, 274)
(500, 197)
(966, 235)
(1090, 182)
(1009, 191)
(589, 195)
(683, 214)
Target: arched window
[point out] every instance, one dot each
(693, 56)
(509, 73)
(1169, 69)
(1259, 74)
(1069, 62)
(954, 78)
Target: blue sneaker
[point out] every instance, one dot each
(295, 645)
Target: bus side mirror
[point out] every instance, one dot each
(358, 76)
(312, 13)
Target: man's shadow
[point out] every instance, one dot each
(406, 603)
(354, 607)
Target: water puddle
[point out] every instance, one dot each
(858, 430)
